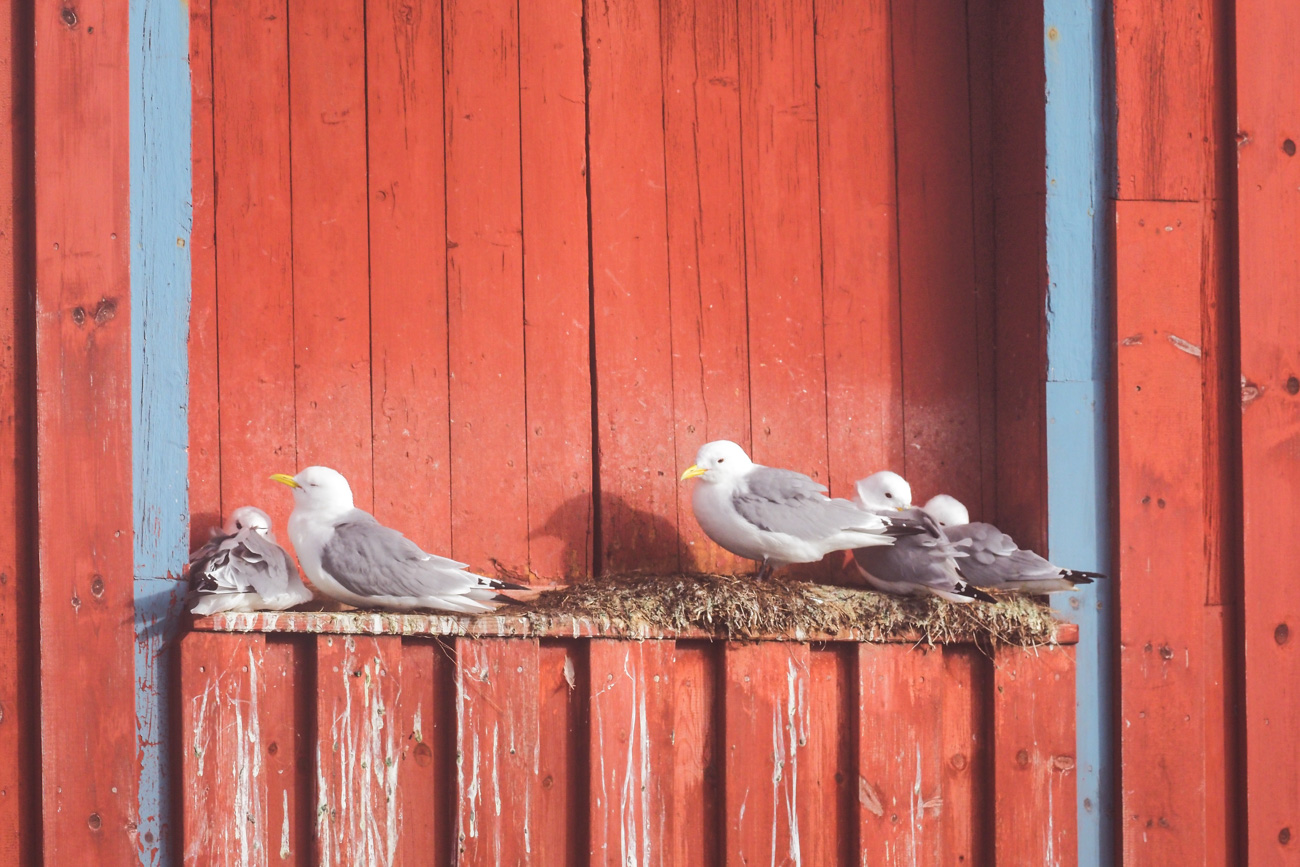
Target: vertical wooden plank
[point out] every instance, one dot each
(1268, 207)
(223, 752)
(635, 426)
(408, 269)
(832, 748)
(859, 241)
(288, 743)
(1165, 70)
(787, 353)
(900, 754)
(1033, 757)
(706, 247)
(204, 394)
(19, 746)
(427, 724)
(254, 314)
(358, 749)
(1167, 671)
(766, 711)
(631, 752)
(556, 836)
(331, 297)
(936, 250)
(83, 423)
(967, 819)
(496, 750)
(489, 477)
(552, 110)
(697, 767)
(1019, 224)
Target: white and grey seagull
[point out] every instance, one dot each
(242, 568)
(996, 561)
(926, 563)
(776, 516)
(353, 558)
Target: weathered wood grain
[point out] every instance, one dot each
(225, 757)
(1170, 675)
(427, 723)
(489, 445)
(20, 801)
(359, 745)
(287, 737)
(859, 241)
(204, 416)
(765, 753)
(831, 808)
(901, 811)
(966, 814)
(1268, 210)
(408, 270)
(635, 439)
(89, 751)
(940, 349)
(787, 350)
(706, 248)
(558, 834)
(697, 772)
(331, 310)
(1034, 774)
(557, 321)
(496, 750)
(631, 712)
(254, 253)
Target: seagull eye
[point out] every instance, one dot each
(721, 460)
(888, 496)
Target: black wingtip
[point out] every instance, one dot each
(1075, 576)
(970, 591)
(899, 527)
(498, 584)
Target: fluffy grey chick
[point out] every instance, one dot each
(242, 568)
(995, 560)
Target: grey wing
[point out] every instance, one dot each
(995, 559)
(270, 571)
(370, 559)
(921, 560)
(783, 501)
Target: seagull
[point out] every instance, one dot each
(995, 560)
(353, 558)
(925, 563)
(241, 568)
(776, 516)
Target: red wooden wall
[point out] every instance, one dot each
(377, 749)
(508, 265)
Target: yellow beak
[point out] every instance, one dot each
(285, 480)
(695, 470)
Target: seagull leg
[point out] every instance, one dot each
(764, 571)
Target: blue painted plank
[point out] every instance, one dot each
(160, 295)
(1079, 181)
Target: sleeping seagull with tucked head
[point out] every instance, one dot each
(353, 558)
(926, 563)
(995, 560)
(242, 568)
(776, 516)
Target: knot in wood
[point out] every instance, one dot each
(1022, 758)
(1282, 634)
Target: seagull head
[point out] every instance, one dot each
(884, 491)
(947, 511)
(319, 489)
(719, 460)
(248, 518)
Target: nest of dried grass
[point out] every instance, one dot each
(742, 607)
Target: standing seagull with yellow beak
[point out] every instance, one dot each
(776, 516)
(353, 558)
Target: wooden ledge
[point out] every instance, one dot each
(515, 626)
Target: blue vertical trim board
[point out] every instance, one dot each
(1078, 362)
(160, 306)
